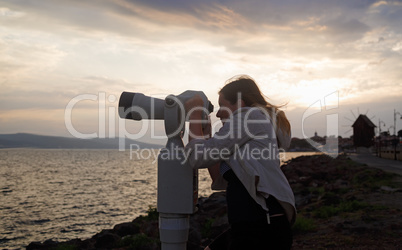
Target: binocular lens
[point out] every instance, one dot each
(137, 106)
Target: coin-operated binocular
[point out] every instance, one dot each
(177, 181)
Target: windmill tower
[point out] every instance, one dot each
(363, 132)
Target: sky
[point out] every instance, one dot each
(64, 63)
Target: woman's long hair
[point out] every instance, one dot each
(245, 87)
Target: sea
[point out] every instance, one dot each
(64, 194)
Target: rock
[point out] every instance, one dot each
(45, 245)
(35, 245)
(150, 229)
(127, 228)
(389, 189)
(220, 221)
(106, 239)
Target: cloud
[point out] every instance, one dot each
(125, 15)
(52, 51)
(346, 30)
(252, 27)
(7, 13)
(32, 99)
(24, 55)
(387, 13)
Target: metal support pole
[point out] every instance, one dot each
(395, 114)
(379, 136)
(173, 231)
(177, 181)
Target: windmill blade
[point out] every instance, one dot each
(353, 114)
(348, 119)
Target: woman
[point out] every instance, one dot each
(243, 157)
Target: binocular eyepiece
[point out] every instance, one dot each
(137, 106)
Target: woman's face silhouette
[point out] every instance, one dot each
(226, 108)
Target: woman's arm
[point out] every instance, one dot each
(197, 131)
(195, 127)
(194, 112)
(214, 172)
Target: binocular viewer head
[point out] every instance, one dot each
(137, 106)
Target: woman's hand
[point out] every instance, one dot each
(194, 105)
(194, 113)
(207, 129)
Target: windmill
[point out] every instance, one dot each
(354, 119)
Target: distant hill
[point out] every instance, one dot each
(22, 140)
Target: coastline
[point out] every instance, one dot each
(341, 204)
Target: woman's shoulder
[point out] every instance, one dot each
(254, 117)
(253, 112)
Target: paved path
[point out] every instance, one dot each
(374, 161)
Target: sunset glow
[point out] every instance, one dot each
(298, 52)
